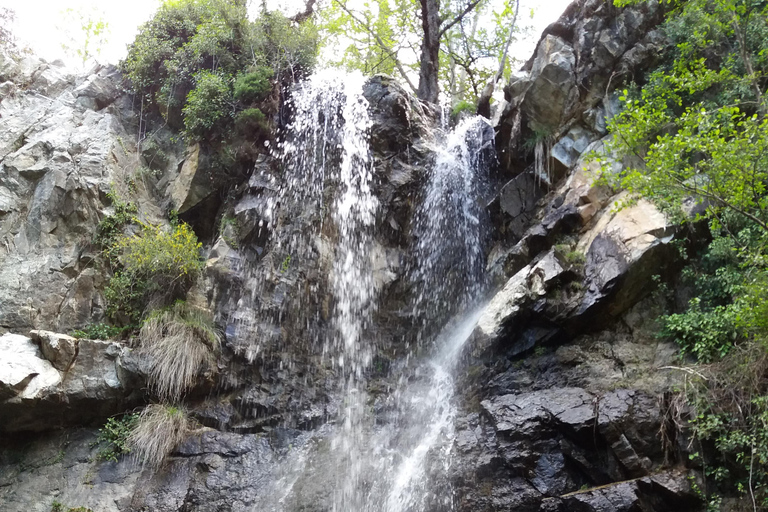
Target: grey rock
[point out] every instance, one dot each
(59, 349)
(44, 398)
(553, 84)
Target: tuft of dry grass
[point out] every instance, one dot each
(160, 429)
(180, 341)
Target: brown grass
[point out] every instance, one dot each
(181, 341)
(160, 429)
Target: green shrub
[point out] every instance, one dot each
(208, 105)
(159, 430)
(158, 264)
(255, 86)
(187, 41)
(111, 227)
(462, 107)
(251, 121)
(165, 256)
(114, 435)
(180, 341)
(98, 332)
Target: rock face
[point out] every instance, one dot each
(63, 145)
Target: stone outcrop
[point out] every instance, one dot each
(57, 381)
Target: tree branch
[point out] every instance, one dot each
(380, 42)
(309, 10)
(470, 6)
(503, 60)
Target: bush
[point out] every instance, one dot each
(98, 332)
(115, 435)
(158, 265)
(163, 256)
(208, 105)
(188, 42)
(111, 227)
(251, 121)
(160, 429)
(463, 107)
(255, 86)
(180, 341)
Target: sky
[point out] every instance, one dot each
(41, 24)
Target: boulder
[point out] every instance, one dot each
(23, 370)
(552, 90)
(59, 349)
(37, 396)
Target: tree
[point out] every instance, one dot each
(449, 47)
(697, 130)
(87, 43)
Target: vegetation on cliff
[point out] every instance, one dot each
(699, 125)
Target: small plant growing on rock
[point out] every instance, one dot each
(114, 435)
(99, 331)
(158, 265)
(180, 341)
(160, 429)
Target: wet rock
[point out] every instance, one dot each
(398, 117)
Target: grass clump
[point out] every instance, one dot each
(181, 341)
(160, 429)
(114, 436)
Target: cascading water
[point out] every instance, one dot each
(374, 464)
(450, 226)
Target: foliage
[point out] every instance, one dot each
(98, 332)
(208, 105)
(157, 264)
(185, 59)
(165, 256)
(461, 107)
(384, 37)
(57, 506)
(251, 120)
(114, 434)
(8, 42)
(698, 129)
(111, 226)
(87, 43)
(159, 430)
(569, 256)
(229, 230)
(180, 342)
(253, 87)
(699, 124)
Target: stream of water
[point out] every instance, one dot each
(370, 464)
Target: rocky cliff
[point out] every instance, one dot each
(563, 401)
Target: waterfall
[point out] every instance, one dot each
(372, 463)
(450, 226)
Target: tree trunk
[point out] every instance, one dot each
(430, 51)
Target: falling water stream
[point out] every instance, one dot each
(386, 466)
